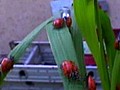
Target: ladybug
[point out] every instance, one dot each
(91, 81)
(117, 44)
(118, 87)
(70, 70)
(68, 21)
(58, 23)
(6, 65)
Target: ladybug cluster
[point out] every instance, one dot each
(59, 22)
(6, 65)
(65, 19)
(70, 70)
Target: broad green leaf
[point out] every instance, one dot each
(86, 22)
(19, 50)
(85, 17)
(63, 49)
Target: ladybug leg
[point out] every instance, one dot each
(76, 75)
(61, 67)
(71, 75)
(11, 57)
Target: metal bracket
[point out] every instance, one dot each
(57, 5)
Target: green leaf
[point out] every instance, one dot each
(109, 38)
(78, 44)
(63, 49)
(116, 71)
(86, 22)
(19, 50)
(85, 14)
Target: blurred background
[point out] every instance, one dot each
(20, 17)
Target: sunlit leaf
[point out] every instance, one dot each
(86, 19)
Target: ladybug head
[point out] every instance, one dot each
(91, 74)
(12, 58)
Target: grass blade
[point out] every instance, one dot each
(78, 44)
(109, 38)
(116, 71)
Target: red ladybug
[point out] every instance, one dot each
(70, 70)
(68, 21)
(91, 83)
(118, 87)
(58, 23)
(6, 65)
(117, 44)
